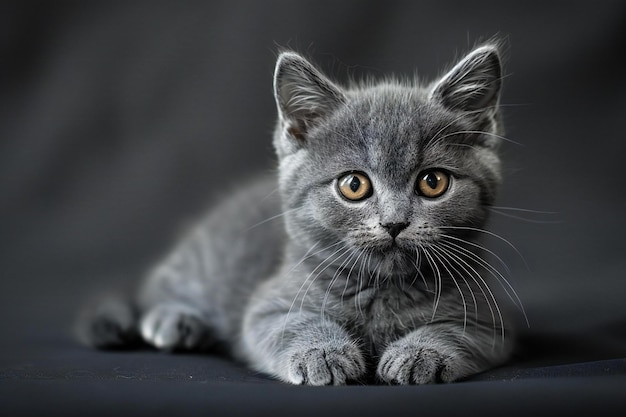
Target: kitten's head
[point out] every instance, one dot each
(387, 169)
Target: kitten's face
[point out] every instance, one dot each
(384, 173)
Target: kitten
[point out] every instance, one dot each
(360, 260)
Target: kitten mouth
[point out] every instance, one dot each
(395, 261)
(393, 245)
(393, 250)
(388, 247)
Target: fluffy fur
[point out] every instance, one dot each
(304, 284)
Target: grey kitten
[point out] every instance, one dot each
(361, 259)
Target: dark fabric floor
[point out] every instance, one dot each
(121, 121)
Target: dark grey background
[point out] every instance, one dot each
(121, 121)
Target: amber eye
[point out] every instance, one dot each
(355, 186)
(433, 183)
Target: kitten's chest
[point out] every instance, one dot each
(384, 315)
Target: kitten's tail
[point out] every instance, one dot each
(109, 323)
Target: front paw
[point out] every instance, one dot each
(174, 327)
(405, 363)
(330, 364)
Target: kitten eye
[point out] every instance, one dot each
(355, 186)
(433, 183)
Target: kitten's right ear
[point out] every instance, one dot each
(303, 94)
(474, 84)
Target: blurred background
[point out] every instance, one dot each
(120, 122)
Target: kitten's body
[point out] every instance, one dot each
(303, 283)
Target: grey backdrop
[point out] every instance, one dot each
(120, 123)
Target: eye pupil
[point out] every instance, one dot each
(432, 180)
(433, 183)
(355, 184)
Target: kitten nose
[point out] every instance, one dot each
(394, 229)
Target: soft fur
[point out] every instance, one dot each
(307, 286)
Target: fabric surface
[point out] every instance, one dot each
(121, 122)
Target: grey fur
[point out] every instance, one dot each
(311, 288)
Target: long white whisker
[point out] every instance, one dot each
(268, 195)
(306, 256)
(478, 280)
(376, 273)
(356, 260)
(524, 219)
(272, 218)
(330, 260)
(438, 282)
(360, 282)
(506, 285)
(476, 257)
(480, 247)
(487, 232)
(524, 210)
(450, 258)
(436, 137)
(491, 295)
(418, 268)
(481, 132)
(334, 279)
(442, 261)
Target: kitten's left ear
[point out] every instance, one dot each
(473, 84)
(303, 94)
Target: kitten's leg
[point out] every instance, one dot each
(301, 348)
(441, 352)
(175, 326)
(109, 323)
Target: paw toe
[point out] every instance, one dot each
(326, 366)
(172, 329)
(411, 365)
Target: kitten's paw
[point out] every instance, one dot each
(404, 363)
(109, 324)
(326, 365)
(175, 327)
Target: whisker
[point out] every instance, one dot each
(480, 247)
(436, 137)
(478, 280)
(375, 273)
(458, 287)
(495, 273)
(304, 258)
(492, 296)
(365, 266)
(345, 288)
(273, 218)
(524, 210)
(494, 235)
(502, 211)
(451, 257)
(330, 259)
(334, 279)
(418, 267)
(524, 219)
(464, 145)
(268, 195)
(481, 132)
(438, 282)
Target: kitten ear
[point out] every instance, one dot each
(303, 94)
(473, 84)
